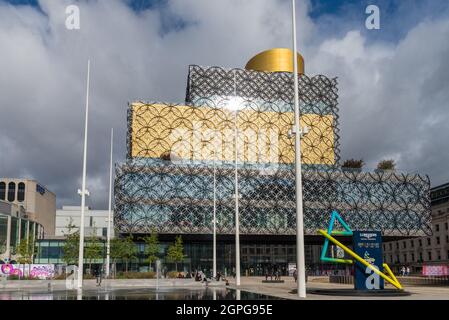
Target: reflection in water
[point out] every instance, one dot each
(137, 294)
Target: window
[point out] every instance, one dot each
(429, 241)
(412, 243)
(447, 239)
(405, 257)
(2, 190)
(446, 226)
(391, 248)
(420, 242)
(397, 245)
(437, 227)
(429, 256)
(404, 244)
(413, 257)
(23, 229)
(11, 192)
(439, 255)
(420, 257)
(91, 221)
(21, 192)
(105, 232)
(438, 240)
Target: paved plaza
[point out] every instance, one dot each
(146, 288)
(284, 290)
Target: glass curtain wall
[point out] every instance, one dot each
(14, 234)
(3, 232)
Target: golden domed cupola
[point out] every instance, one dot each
(275, 60)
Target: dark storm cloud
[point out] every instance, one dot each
(393, 96)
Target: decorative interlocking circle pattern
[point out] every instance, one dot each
(152, 191)
(176, 198)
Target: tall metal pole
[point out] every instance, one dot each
(214, 267)
(237, 219)
(108, 245)
(300, 256)
(83, 192)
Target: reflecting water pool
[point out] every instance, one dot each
(136, 294)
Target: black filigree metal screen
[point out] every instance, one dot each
(167, 182)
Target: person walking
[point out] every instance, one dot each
(295, 275)
(97, 273)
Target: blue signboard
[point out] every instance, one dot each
(368, 245)
(40, 189)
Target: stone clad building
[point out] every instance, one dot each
(430, 250)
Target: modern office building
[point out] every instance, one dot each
(182, 159)
(95, 221)
(429, 250)
(51, 249)
(15, 226)
(38, 202)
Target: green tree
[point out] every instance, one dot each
(25, 251)
(116, 251)
(386, 165)
(353, 164)
(129, 250)
(151, 248)
(175, 252)
(70, 249)
(93, 250)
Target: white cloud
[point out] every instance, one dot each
(393, 97)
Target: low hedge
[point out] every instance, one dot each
(136, 275)
(172, 274)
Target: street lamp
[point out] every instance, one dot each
(300, 256)
(214, 215)
(83, 192)
(214, 249)
(234, 105)
(108, 245)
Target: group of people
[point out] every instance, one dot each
(405, 271)
(202, 277)
(271, 272)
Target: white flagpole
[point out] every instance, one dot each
(300, 263)
(83, 192)
(108, 245)
(214, 249)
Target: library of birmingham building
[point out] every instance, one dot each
(182, 158)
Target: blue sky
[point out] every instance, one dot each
(332, 16)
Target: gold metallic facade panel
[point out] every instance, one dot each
(205, 133)
(275, 60)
